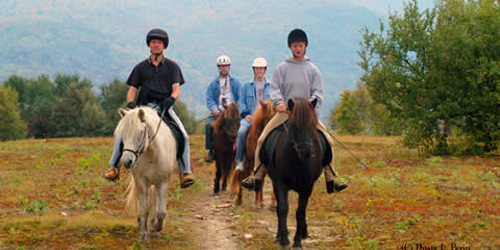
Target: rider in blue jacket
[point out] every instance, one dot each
(223, 89)
(251, 93)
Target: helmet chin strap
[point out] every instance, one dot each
(156, 55)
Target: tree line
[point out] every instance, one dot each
(432, 76)
(65, 107)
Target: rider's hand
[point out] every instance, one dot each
(131, 105)
(280, 107)
(249, 118)
(167, 103)
(216, 112)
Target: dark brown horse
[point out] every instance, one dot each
(225, 131)
(261, 116)
(297, 166)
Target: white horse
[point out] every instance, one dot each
(149, 152)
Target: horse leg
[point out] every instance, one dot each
(273, 200)
(152, 221)
(224, 177)
(300, 216)
(239, 178)
(282, 212)
(142, 219)
(259, 197)
(218, 174)
(160, 209)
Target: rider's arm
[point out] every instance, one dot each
(131, 94)
(176, 90)
(276, 87)
(317, 86)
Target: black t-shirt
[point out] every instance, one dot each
(156, 79)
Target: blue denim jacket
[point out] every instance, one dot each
(248, 98)
(213, 91)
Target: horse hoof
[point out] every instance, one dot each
(144, 237)
(154, 235)
(238, 202)
(285, 247)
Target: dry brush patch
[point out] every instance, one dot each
(51, 195)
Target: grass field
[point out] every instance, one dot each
(52, 197)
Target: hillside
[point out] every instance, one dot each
(103, 40)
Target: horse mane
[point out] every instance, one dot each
(303, 115)
(129, 123)
(230, 112)
(261, 117)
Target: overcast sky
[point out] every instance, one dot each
(383, 6)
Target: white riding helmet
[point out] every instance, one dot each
(259, 62)
(223, 60)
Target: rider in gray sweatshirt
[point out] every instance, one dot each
(302, 79)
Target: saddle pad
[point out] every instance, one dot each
(267, 152)
(176, 131)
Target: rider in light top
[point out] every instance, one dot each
(251, 93)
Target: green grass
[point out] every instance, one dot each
(51, 195)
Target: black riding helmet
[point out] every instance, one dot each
(157, 34)
(297, 35)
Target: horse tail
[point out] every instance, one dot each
(132, 199)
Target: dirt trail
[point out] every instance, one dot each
(215, 216)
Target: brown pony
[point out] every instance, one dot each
(225, 131)
(297, 166)
(261, 116)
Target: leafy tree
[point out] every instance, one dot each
(346, 115)
(113, 96)
(357, 114)
(36, 101)
(78, 112)
(11, 124)
(439, 71)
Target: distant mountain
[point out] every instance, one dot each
(103, 40)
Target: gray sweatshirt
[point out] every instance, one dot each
(296, 79)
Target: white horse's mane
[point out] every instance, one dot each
(129, 122)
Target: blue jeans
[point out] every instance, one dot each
(209, 132)
(241, 140)
(184, 163)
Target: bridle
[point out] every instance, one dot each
(297, 145)
(144, 140)
(142, 145)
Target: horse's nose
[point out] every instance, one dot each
(128, 163)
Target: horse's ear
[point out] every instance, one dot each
(262, 103)
(291, 103)
(314, 102)
(142, 116)
(122, 112)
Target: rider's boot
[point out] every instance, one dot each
(211, 156)
(112, 173)
(332, 186)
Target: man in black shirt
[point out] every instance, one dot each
(159, 80)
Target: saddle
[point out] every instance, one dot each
(176, 131)
(267, 153)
